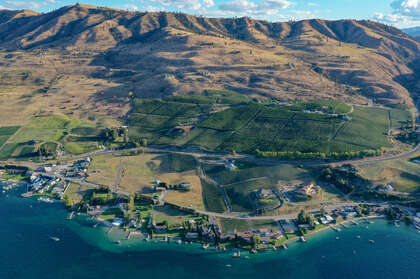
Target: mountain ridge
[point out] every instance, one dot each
(162, 53)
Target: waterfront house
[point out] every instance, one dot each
(277, 236)
(160, 228)
(117, 222)
(245, 237)
(192, 235)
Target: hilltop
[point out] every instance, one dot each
(88, 60)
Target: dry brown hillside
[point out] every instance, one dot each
(93, 57)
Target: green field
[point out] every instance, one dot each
(3, 139)
(403, 175)
(213, 198)
(231, 119)
(7, 150)
(76, 137)
(240, 183)
(368, 128)
(45, 128)
(239, 124)
(6, 133)
(398, 116)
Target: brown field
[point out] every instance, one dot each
(140, 171)
(403, 175)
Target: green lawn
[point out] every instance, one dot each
(244, 225)
(76, 148)
(111, 213)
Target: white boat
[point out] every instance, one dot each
(54, 238)
(43, 199)
(206, 246)
(236, 254)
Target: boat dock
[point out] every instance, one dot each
(27, 195)
(345, 226)
(335, 228)
(71, 215)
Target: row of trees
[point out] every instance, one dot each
(297, 155)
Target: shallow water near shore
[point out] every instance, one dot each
(86, 252)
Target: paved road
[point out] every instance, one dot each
(242, 216)
(262, 161)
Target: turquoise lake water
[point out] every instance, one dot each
(27, 251)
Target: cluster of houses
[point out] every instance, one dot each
(308, 190)
(416, 220)
(264, 194)
(42, 183)
(78, 169)
(230, 165)
(386, 189)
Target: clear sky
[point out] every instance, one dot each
(401, 13)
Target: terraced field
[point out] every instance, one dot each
(237, 124)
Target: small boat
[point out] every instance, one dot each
(54, 238)
(371, 241)
(354, 252)
(118, 242)
(274, 248)
(47, 200)
(302, 239)
(371, 222)
(253, 251)
(236, 254)
(228, 265)
(206, 246)
(358, 236)
(247, 257)
(285, 247)
(337, 238)
(179, 241)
